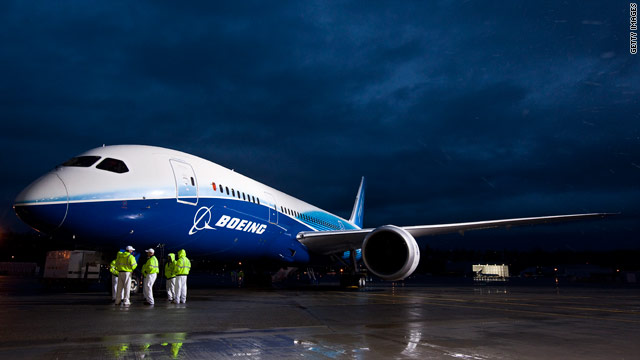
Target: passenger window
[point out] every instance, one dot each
(81, 161)
(193, 182)
(227, 189)
(258, 200)
(113, 165)
(243, 198)
(221, 189)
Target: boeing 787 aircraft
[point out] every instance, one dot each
(143, 195)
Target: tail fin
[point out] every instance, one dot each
(358, 207)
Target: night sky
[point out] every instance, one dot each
(454, 111)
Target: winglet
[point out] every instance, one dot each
(358, 207)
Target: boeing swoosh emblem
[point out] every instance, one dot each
(201, 220)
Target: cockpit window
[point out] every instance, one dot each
(113, 165)
(81, 161)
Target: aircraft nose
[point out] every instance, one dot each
(43, 205)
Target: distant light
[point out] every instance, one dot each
(13, 257)
(239, 262)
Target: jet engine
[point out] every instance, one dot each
(390, 252)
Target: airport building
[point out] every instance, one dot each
(490, 272)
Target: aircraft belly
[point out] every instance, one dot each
(221, 228)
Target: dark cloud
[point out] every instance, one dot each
(453, 111)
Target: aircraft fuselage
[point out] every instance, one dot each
(148, 195)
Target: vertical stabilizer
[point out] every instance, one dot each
(358, 207)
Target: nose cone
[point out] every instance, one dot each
(43, 205)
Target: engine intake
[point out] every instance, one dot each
(390, 252)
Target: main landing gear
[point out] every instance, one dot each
(353, 278)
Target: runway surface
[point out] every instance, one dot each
(386, 322)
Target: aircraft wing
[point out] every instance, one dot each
(329, 242)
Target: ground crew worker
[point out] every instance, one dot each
(125, 264)
(114, 280)
(150, 271)
(171, 277)
(181, 270)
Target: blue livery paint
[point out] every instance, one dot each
(146, 221)
(188, 226)
(347, 255)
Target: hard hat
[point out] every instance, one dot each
(130, 248)
(150, 251)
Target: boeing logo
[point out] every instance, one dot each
(202, 218)
(241, 225)
(203, 215)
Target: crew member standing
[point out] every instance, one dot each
(150, 271)
(125, 264)
(171, 277)
(181, 270)
(114, 280)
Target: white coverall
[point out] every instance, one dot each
(124, 287)
(114, 287)
(171, 288)
(148, 287)
(181, 289)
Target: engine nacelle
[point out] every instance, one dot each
(390, 252)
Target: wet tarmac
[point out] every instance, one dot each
(384, 322)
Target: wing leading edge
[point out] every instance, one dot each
(329, 242)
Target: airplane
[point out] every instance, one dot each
(136, 194)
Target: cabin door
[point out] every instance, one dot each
(272, 207)
(186, 182)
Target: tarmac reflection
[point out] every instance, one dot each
(148, 349)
